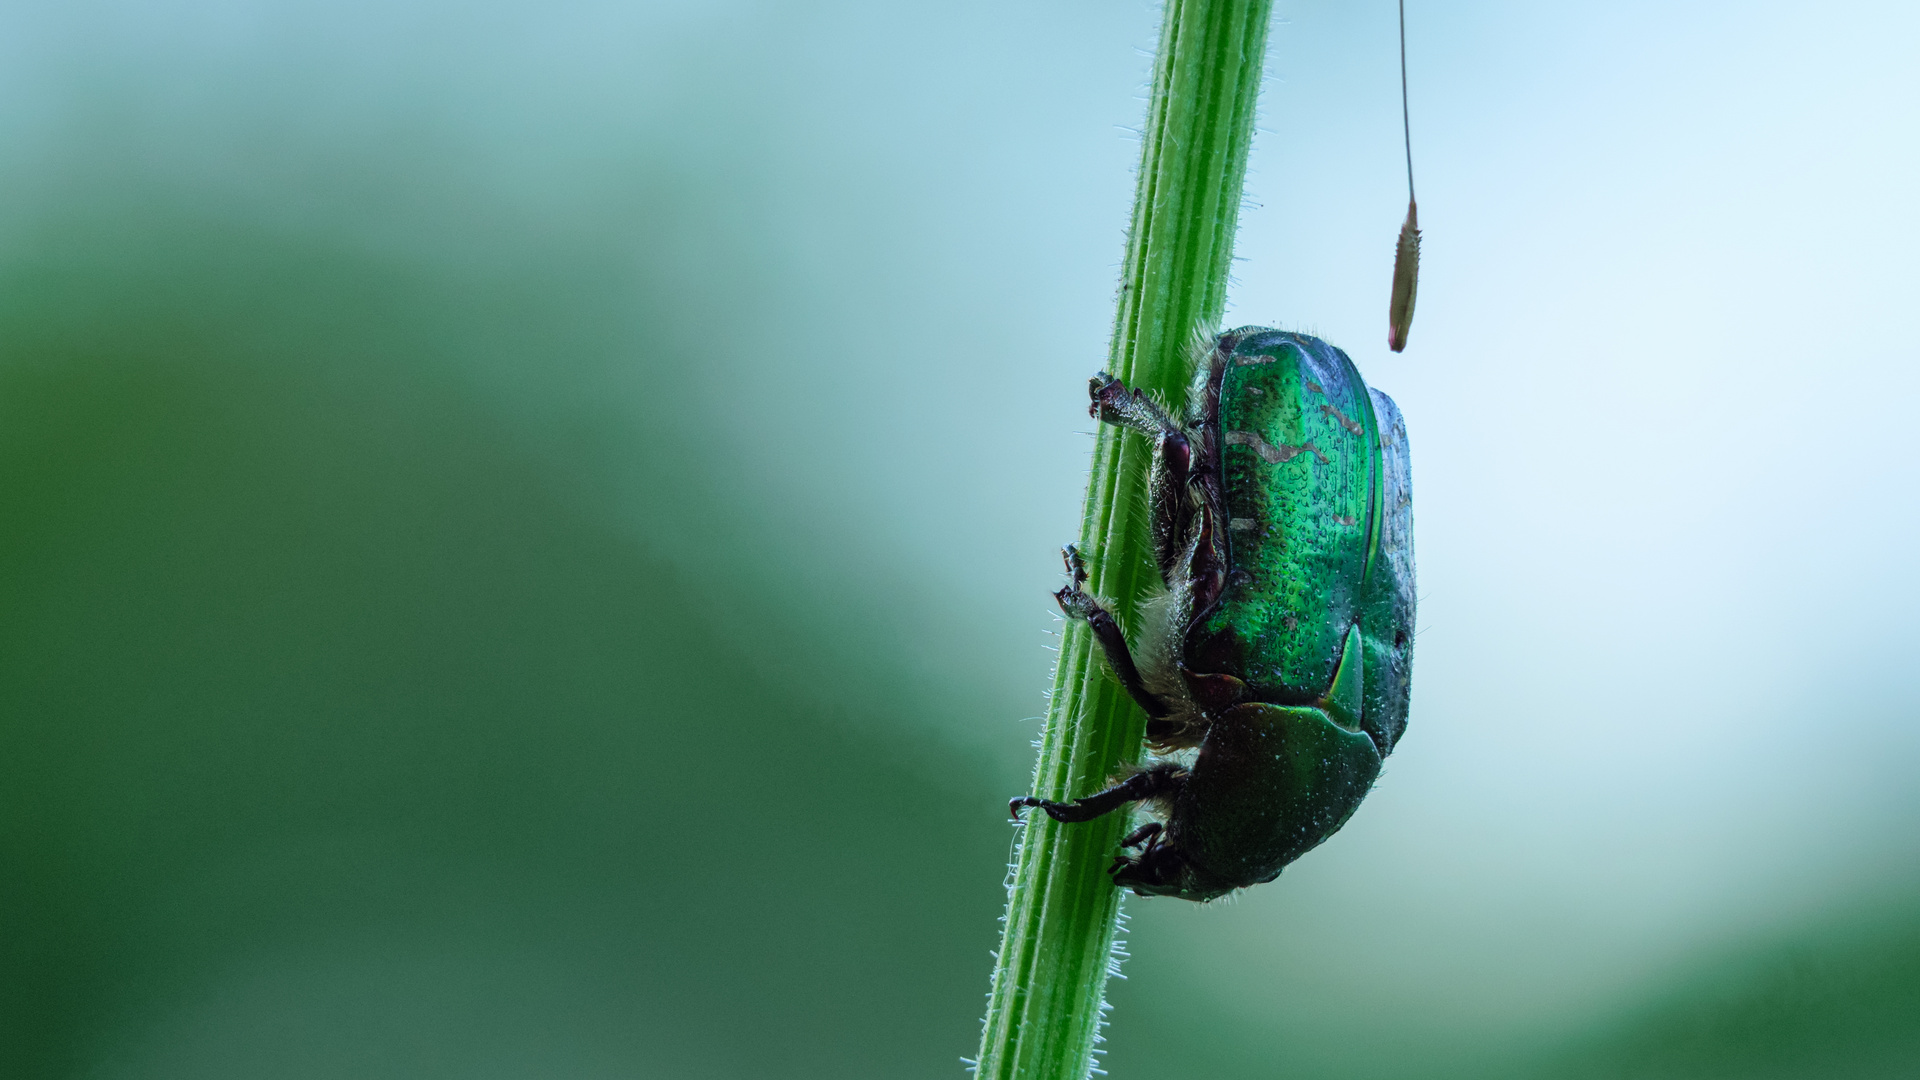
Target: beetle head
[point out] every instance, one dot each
(1161, 870)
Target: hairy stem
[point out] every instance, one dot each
(1044, 1012)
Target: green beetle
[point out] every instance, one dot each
(1276, 668)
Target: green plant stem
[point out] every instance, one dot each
(1044, 1012)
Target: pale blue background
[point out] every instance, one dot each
(815, 288)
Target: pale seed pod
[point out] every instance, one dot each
(1406, 280)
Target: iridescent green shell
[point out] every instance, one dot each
(1315, 618)
(1319, 534)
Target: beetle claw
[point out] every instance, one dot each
(1076, 566)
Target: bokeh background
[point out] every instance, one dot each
(525, 532)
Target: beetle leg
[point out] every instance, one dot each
(1206, 566)
(1075, 563)
(1147, 837)
(1163, 779)
(1114, 403)
(1169, 506)
(1078, 604)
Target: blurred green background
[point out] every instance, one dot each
(525, 531)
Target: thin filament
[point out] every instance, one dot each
(1406, 124)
